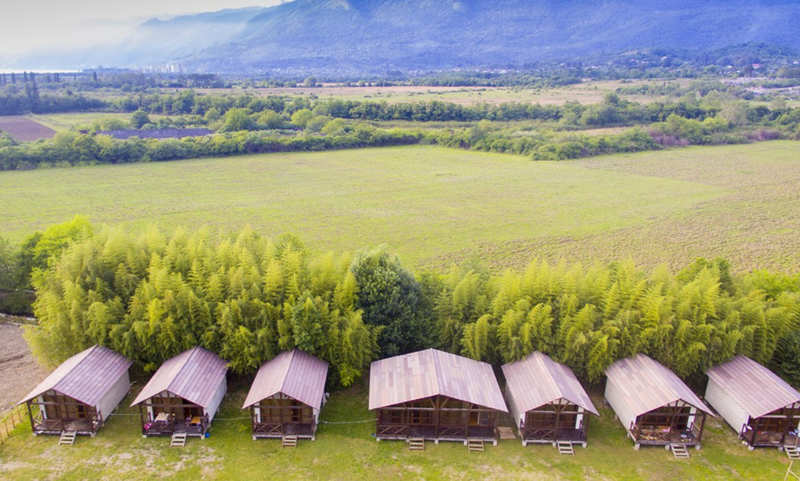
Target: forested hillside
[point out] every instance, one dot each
(375, 35)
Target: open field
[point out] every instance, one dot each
(422, 201)
(349, 452)
(23, 129)
(65, 122)
(436, 206)
(585, 93)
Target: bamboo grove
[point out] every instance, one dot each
(248, 297)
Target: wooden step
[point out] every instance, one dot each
(792, 451)
(565, 448)
(68, 438)
(475, 444)
(289, 442)
(679, 451)
(416, 444)
(506, 432)
(178, 440)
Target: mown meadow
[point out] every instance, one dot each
(435, 206)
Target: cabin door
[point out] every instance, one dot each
(480, 418)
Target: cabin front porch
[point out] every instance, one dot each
(278, 431)
(677, 423)
(768, 438)
(167, 424)
(54, 418)
(550, 435)
(436, 434)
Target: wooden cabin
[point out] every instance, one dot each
(287, 395)
(759, 405)
(433, 395)
(184, 394)
(547, 400)
(654, 405)
(80, 395)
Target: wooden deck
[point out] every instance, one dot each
(430, 433)
(278, 431)
(550, 436)
(58, 426)
(167, 428)
(660, 437)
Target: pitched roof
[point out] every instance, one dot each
(86, 376)
(423, 374)
(296, 374)
(538, 380)
(193, 375)
(755, 388)
(647, 385)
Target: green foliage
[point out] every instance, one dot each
(389, 297)
(41, 249)
(247, 298)
(244, 297)
(139, 119)
(588, 318)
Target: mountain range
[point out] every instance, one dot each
(375, 35)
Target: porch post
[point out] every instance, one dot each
(30, 415)
(702, 428)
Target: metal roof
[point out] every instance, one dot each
(752, 386)
(296, 374)
(648, 385)
(86, 376)
(423, 374)
(193, 375)
(538, 380)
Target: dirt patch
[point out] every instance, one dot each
(23, 129)
(19, 373)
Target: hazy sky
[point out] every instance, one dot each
(27, 25)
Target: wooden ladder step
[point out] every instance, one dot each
(289, 442)
(475, 444)
(178, 440)
(68, 438)
(792, 451)
(679, 451)
(416, 444)
(565, 448)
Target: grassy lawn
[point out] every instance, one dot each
(422, 201)
(349, 452)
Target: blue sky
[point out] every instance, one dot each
(31, 25)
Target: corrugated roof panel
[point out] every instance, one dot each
(752, 386)
(296, 374)
(538, 380)
(648, 385)
(193, 375)
(424, 374)
(86, 376)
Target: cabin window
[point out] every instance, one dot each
(393, 416)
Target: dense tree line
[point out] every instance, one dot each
(247, 298)
(21, 102)
(87, 149)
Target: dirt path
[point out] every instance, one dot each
(19, 373)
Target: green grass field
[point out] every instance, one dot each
(349, 452)
(436, 206)
(424, 202)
